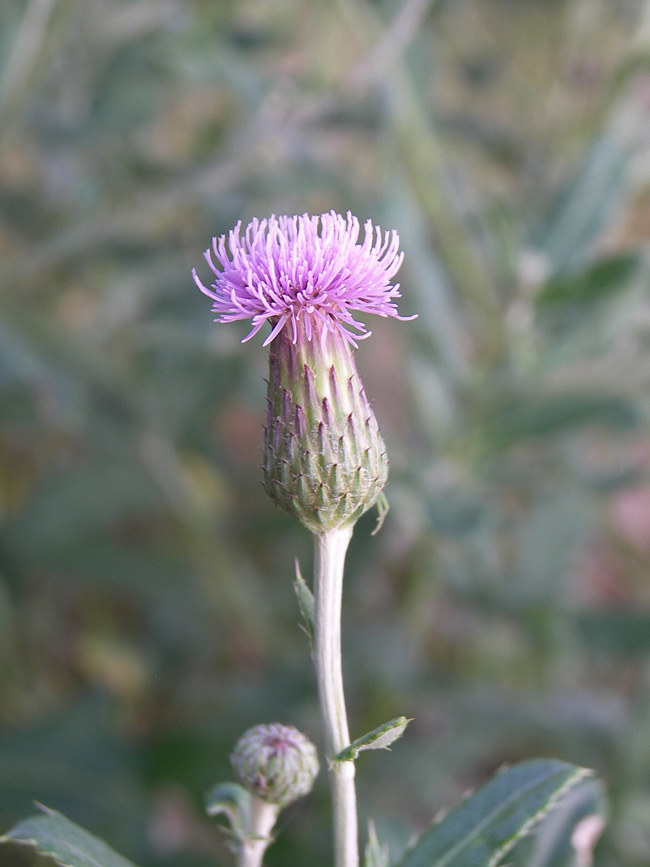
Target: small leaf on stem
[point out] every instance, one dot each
(378, 739)
(234, 802)
(305, 602)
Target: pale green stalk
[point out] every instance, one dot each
(253, 846)
(329, 558)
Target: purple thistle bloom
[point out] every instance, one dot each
(307, 273)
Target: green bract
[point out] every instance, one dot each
(324, 459)
(276, 763)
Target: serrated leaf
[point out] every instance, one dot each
(483, 829)
(233, 801)
(305, 602)
(378, 739)
(65, 842)
(572, 830)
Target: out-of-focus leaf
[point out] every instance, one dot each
(539, 414)
(64, 841)
(455, 510)
(233, 801)
(438, 319)
(375, 854)
(545, 543)
(485, 827)
(619, 632)
(588, 286)
(583, 207)
(75, 758)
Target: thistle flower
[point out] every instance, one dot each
(305, 273)
(276, 763)
(324, 459)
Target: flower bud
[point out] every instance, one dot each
(276, 763)
(324, 460)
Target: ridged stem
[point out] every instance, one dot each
(329, 558)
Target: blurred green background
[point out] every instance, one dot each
(146, 607)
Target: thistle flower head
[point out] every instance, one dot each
(276, 763)
(324, 461)
(306, 274)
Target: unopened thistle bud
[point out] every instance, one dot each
(324, 460)
(276, 763)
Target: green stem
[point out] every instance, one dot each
(330, 549)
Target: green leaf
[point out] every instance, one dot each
(375, 854)
(68, 844)
(305, 602)
(584, 207)
(589, 285)
(541, 414)
(619, 631)
(378, 739)
(569, 835)
(481, 830)
(233, 801)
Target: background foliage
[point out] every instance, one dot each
(146, 610)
